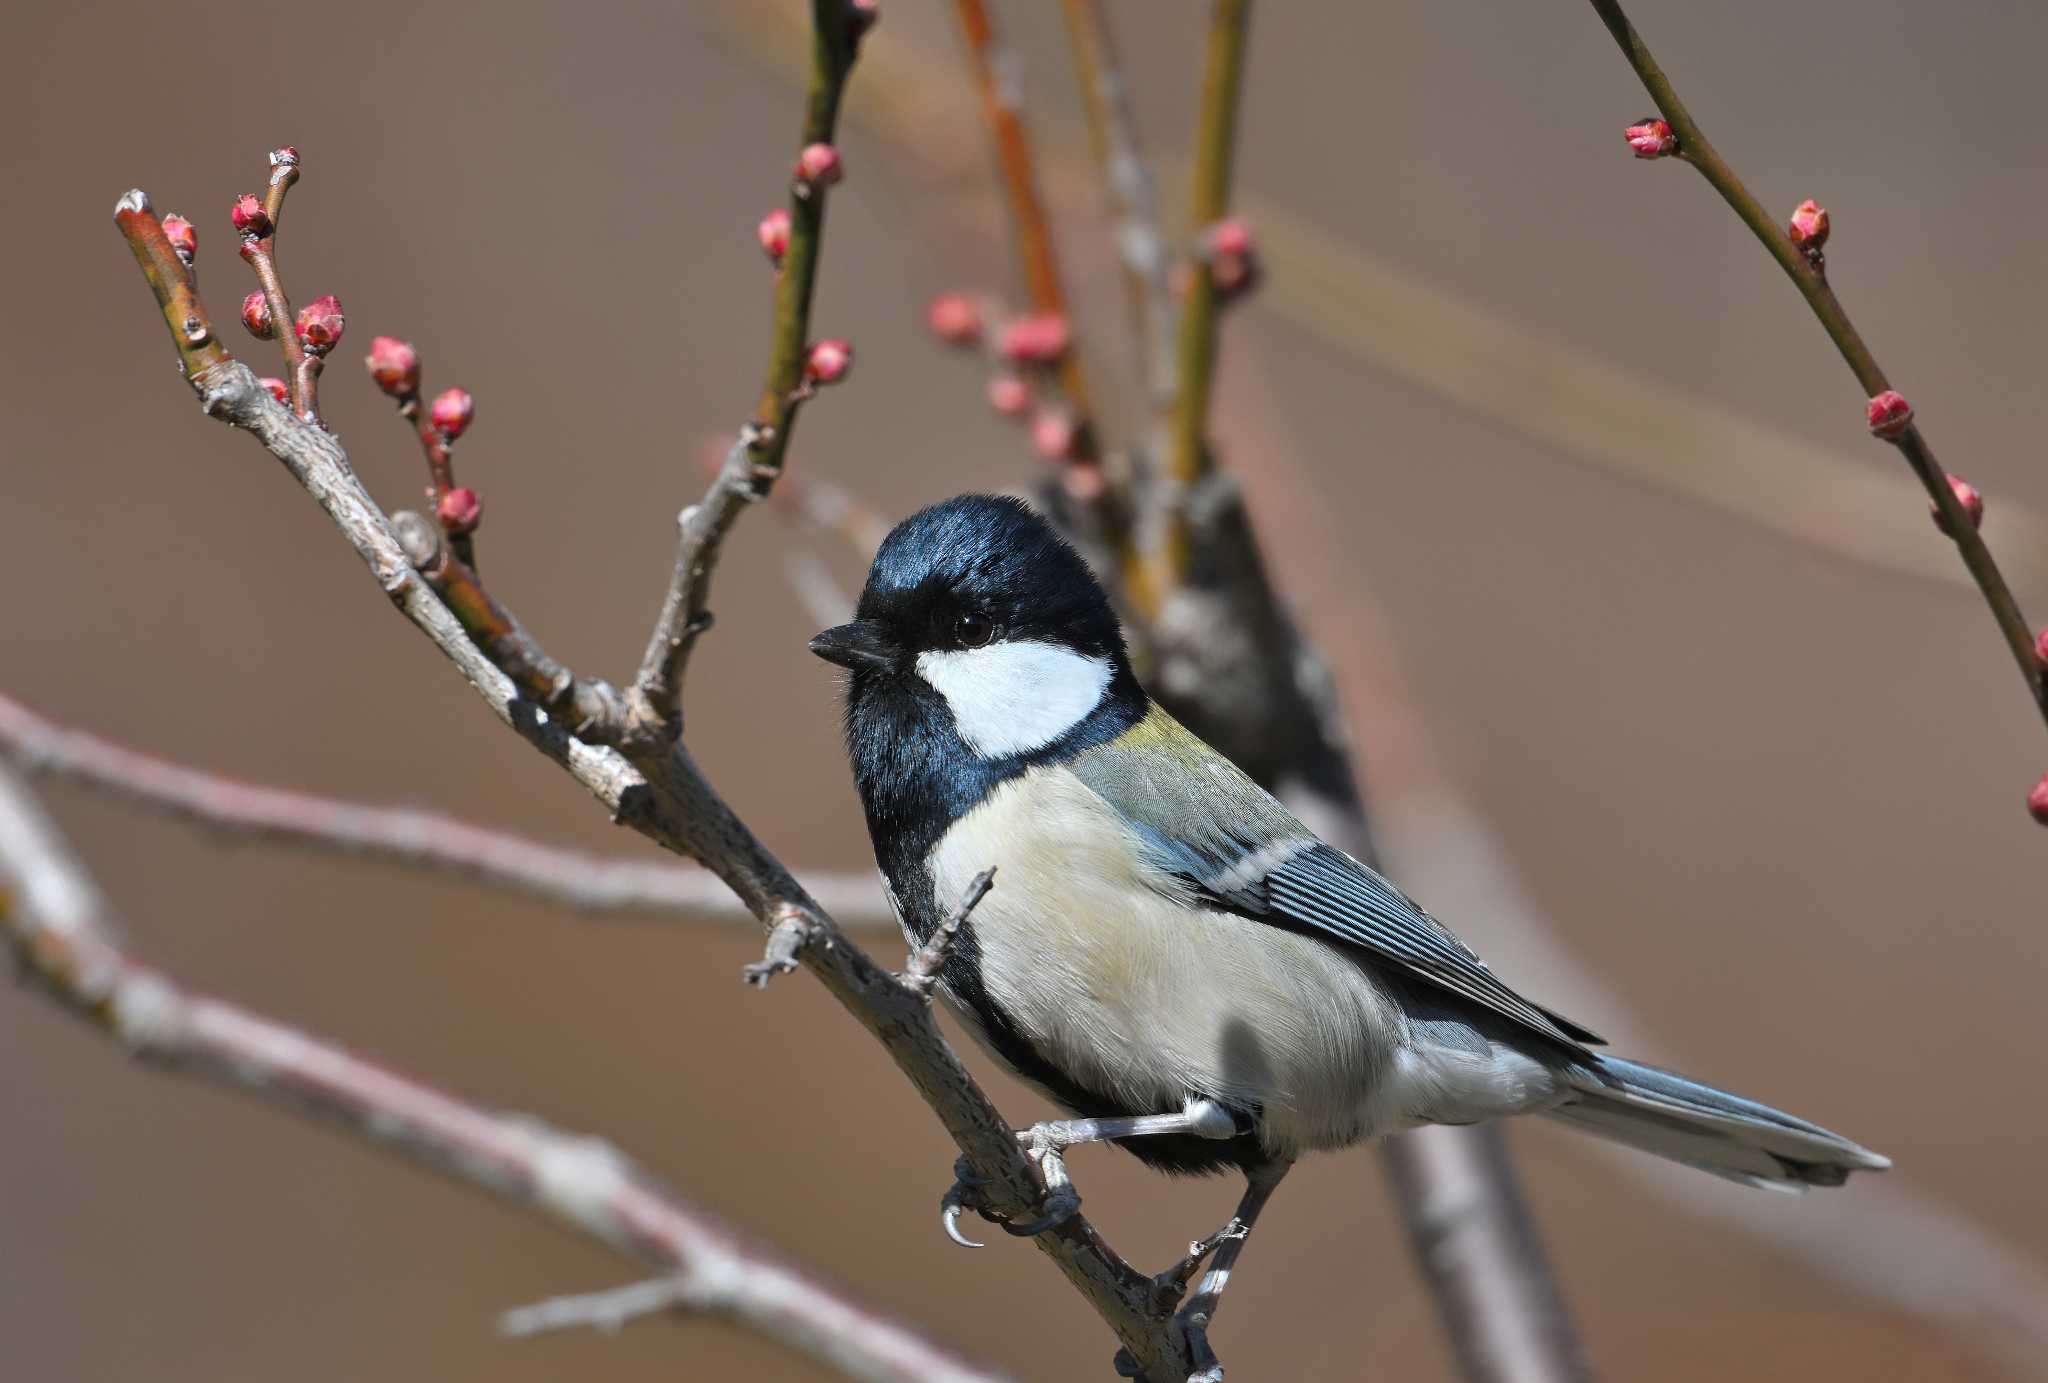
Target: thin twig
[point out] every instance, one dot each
(402, 835)
(301, 367)
(1187, 460)
(1813, 286)
(757, 459)
(930, 959)
(61, 935)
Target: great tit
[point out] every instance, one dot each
(1168, 952)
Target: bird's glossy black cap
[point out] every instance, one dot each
(987, 555)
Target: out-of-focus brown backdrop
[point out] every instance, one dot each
(1769, 795)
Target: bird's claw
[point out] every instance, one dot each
(963, 1194)
(1060, 1204)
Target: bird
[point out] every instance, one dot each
(1168, 952)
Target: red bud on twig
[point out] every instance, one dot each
(1233, 258)
(256, 316)
(452, 412)
(828, 361)
(1809, 227)
(1889, 415)
(1651, 137)
(861, 16)
(459, 510)
(394, 365)
(1039, 339)
(2037, 801)
(773, 233)
(1009, 395)
(249, 216)
(321, 324)
(818, 166)
(1967, 496)
(1053, 434)
(276, 387)
(954, 319)
(183, 237)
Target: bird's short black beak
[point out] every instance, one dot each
(862, 644)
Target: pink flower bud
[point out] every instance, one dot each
(1233, 258)
(276, 387)
(2037, 801)
(861, 16)
(249, 216)
(184, 239)
(828, 361)
(256, 316)
(2041, 646)
(1651, 138)
(452, 413)
(320, 324)
(1036, 340)
(394, 365)
(1809, 226)
(819, 165)
(1967, 496)
(1009, 395)
(954, 319)
(773, 233)
(1053, 434)
(1083, 481)
(1889, 415)
(458, 511)
(1230, 236)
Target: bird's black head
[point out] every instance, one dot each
(983, 644)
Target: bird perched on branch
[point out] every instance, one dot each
(1168, 952)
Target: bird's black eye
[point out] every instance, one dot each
(973, 629)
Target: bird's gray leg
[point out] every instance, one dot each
(1200, 1310)
(1046, 1143)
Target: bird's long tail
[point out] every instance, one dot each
(1675, 1116)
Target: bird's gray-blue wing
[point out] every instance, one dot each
(1208, 827)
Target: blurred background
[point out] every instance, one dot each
(1670, 699)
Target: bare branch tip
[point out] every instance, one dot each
(132, 202)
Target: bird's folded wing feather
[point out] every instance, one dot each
(1209, 827)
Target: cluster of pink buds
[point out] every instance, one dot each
(459, 511)
(1651, 137)
(1233, 258)
(1967, 496)
(828, 361)
(183, 236)
(452, 413)
(1809, 228)
(954, 318)
(817, 166)
(773, 233)
(1039, 339)
(1889, 415)
(394, 365)
(320, 324)
(256, 316)
(251, 220)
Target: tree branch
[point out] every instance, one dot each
(1811, 280)
(58, 925)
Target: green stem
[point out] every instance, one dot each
(1694, 148)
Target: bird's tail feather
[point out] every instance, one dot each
(1677, 1117)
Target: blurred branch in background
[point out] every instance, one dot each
(64, 939)
(1797, 247)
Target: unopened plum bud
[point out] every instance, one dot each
(861, 16)
(394, 365)
(1053, 434)
(320, 324)
(2041, 646)
(1009, 395)
(276, 387)
(256, 316)
(1651, 137)
(1039, 339)
(458, 511)
(954, 319)
(818, 166)
(183, 237)
(452, 412)
(1967, 496)
(249, 216)
(1230, 236)
(1809, 226)
(828, 361)
(1889, 415)
(2037, 801)
(773, 233)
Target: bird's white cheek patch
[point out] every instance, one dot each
(1011, 698)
